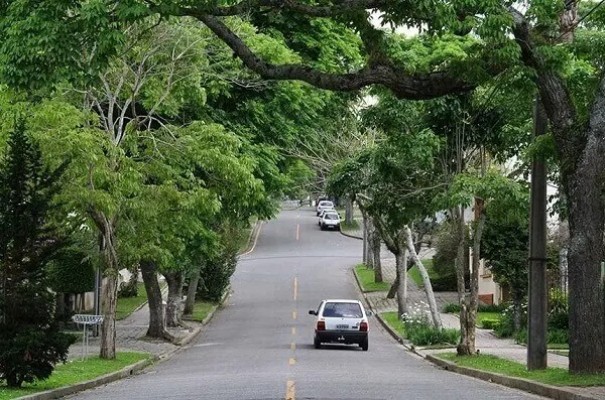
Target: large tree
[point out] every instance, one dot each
(31, 342)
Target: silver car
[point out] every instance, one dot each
(324, 204)
(341, 321)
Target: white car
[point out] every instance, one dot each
(329, 220)
(341, 321)
(324, 204)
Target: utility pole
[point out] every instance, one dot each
(537, 308)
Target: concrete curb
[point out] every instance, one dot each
(253, 231)
(102, 380)
(526, 385)
(349, 235)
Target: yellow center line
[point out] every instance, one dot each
(295, 288)
(297, 231)
(292, 361)
(294, 314)
(293, 346)
(294, 330)
(290, 390)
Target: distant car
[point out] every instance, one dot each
(329, 220)
(341, 321)
(324, 204)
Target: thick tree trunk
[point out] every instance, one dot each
(108, 331)
(466, 346)
(586, 300)
(517, 304)
(156, 327)
(348, 211)
(401, 264)
(175, 296)
(192, 291)
(376, 256)
(428, 288)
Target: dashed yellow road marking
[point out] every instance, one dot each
(294, 314)
(290, 390)
(294, 330)
(297, 231)
(295, 288)
(292, 361)
(293, 346)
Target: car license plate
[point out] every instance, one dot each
(342, 326)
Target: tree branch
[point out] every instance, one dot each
(401, 83)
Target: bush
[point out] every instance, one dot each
(451, 308)
(215, 278)
(490, 323)
(558, 310)
(421, 333)
(554, 336)
(455, 308)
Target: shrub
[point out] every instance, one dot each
(558, 310)
(216, 277)
(490, 323)
(451, 308)
(422, 333)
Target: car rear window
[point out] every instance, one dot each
(332, 216)
(342, 310)
(326, 204)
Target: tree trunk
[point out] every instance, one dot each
(348, 211)
(192, 292)
(401, 264)
(110, 288)
(428, 288)
(154, 298)
(517, 304)
(108, 331)
(366, 248)
(586, 300)
(466, 346)
(175, 296)
(376, 256)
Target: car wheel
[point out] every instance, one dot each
(316, 343)
(364, 345)
(322, 227)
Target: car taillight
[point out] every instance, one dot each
(363, 326)
(321, 325)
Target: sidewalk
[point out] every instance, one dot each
(486, 341)
(130, 336)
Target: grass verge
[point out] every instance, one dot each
(550, 376)
(414, 273)
(366, 278)
(353, 226)
(392, 320)
(75, 371)
(486, 316)
(200, 311)
(126, 305)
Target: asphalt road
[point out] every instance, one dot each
(259, 346)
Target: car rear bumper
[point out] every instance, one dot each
(341, 336)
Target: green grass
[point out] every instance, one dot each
(353, 226)
(392, 320)
(126, 305)
(551, 376)
(414, 273)
(200, 311)
(366, 278)
(483, 315)
(75, 372)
